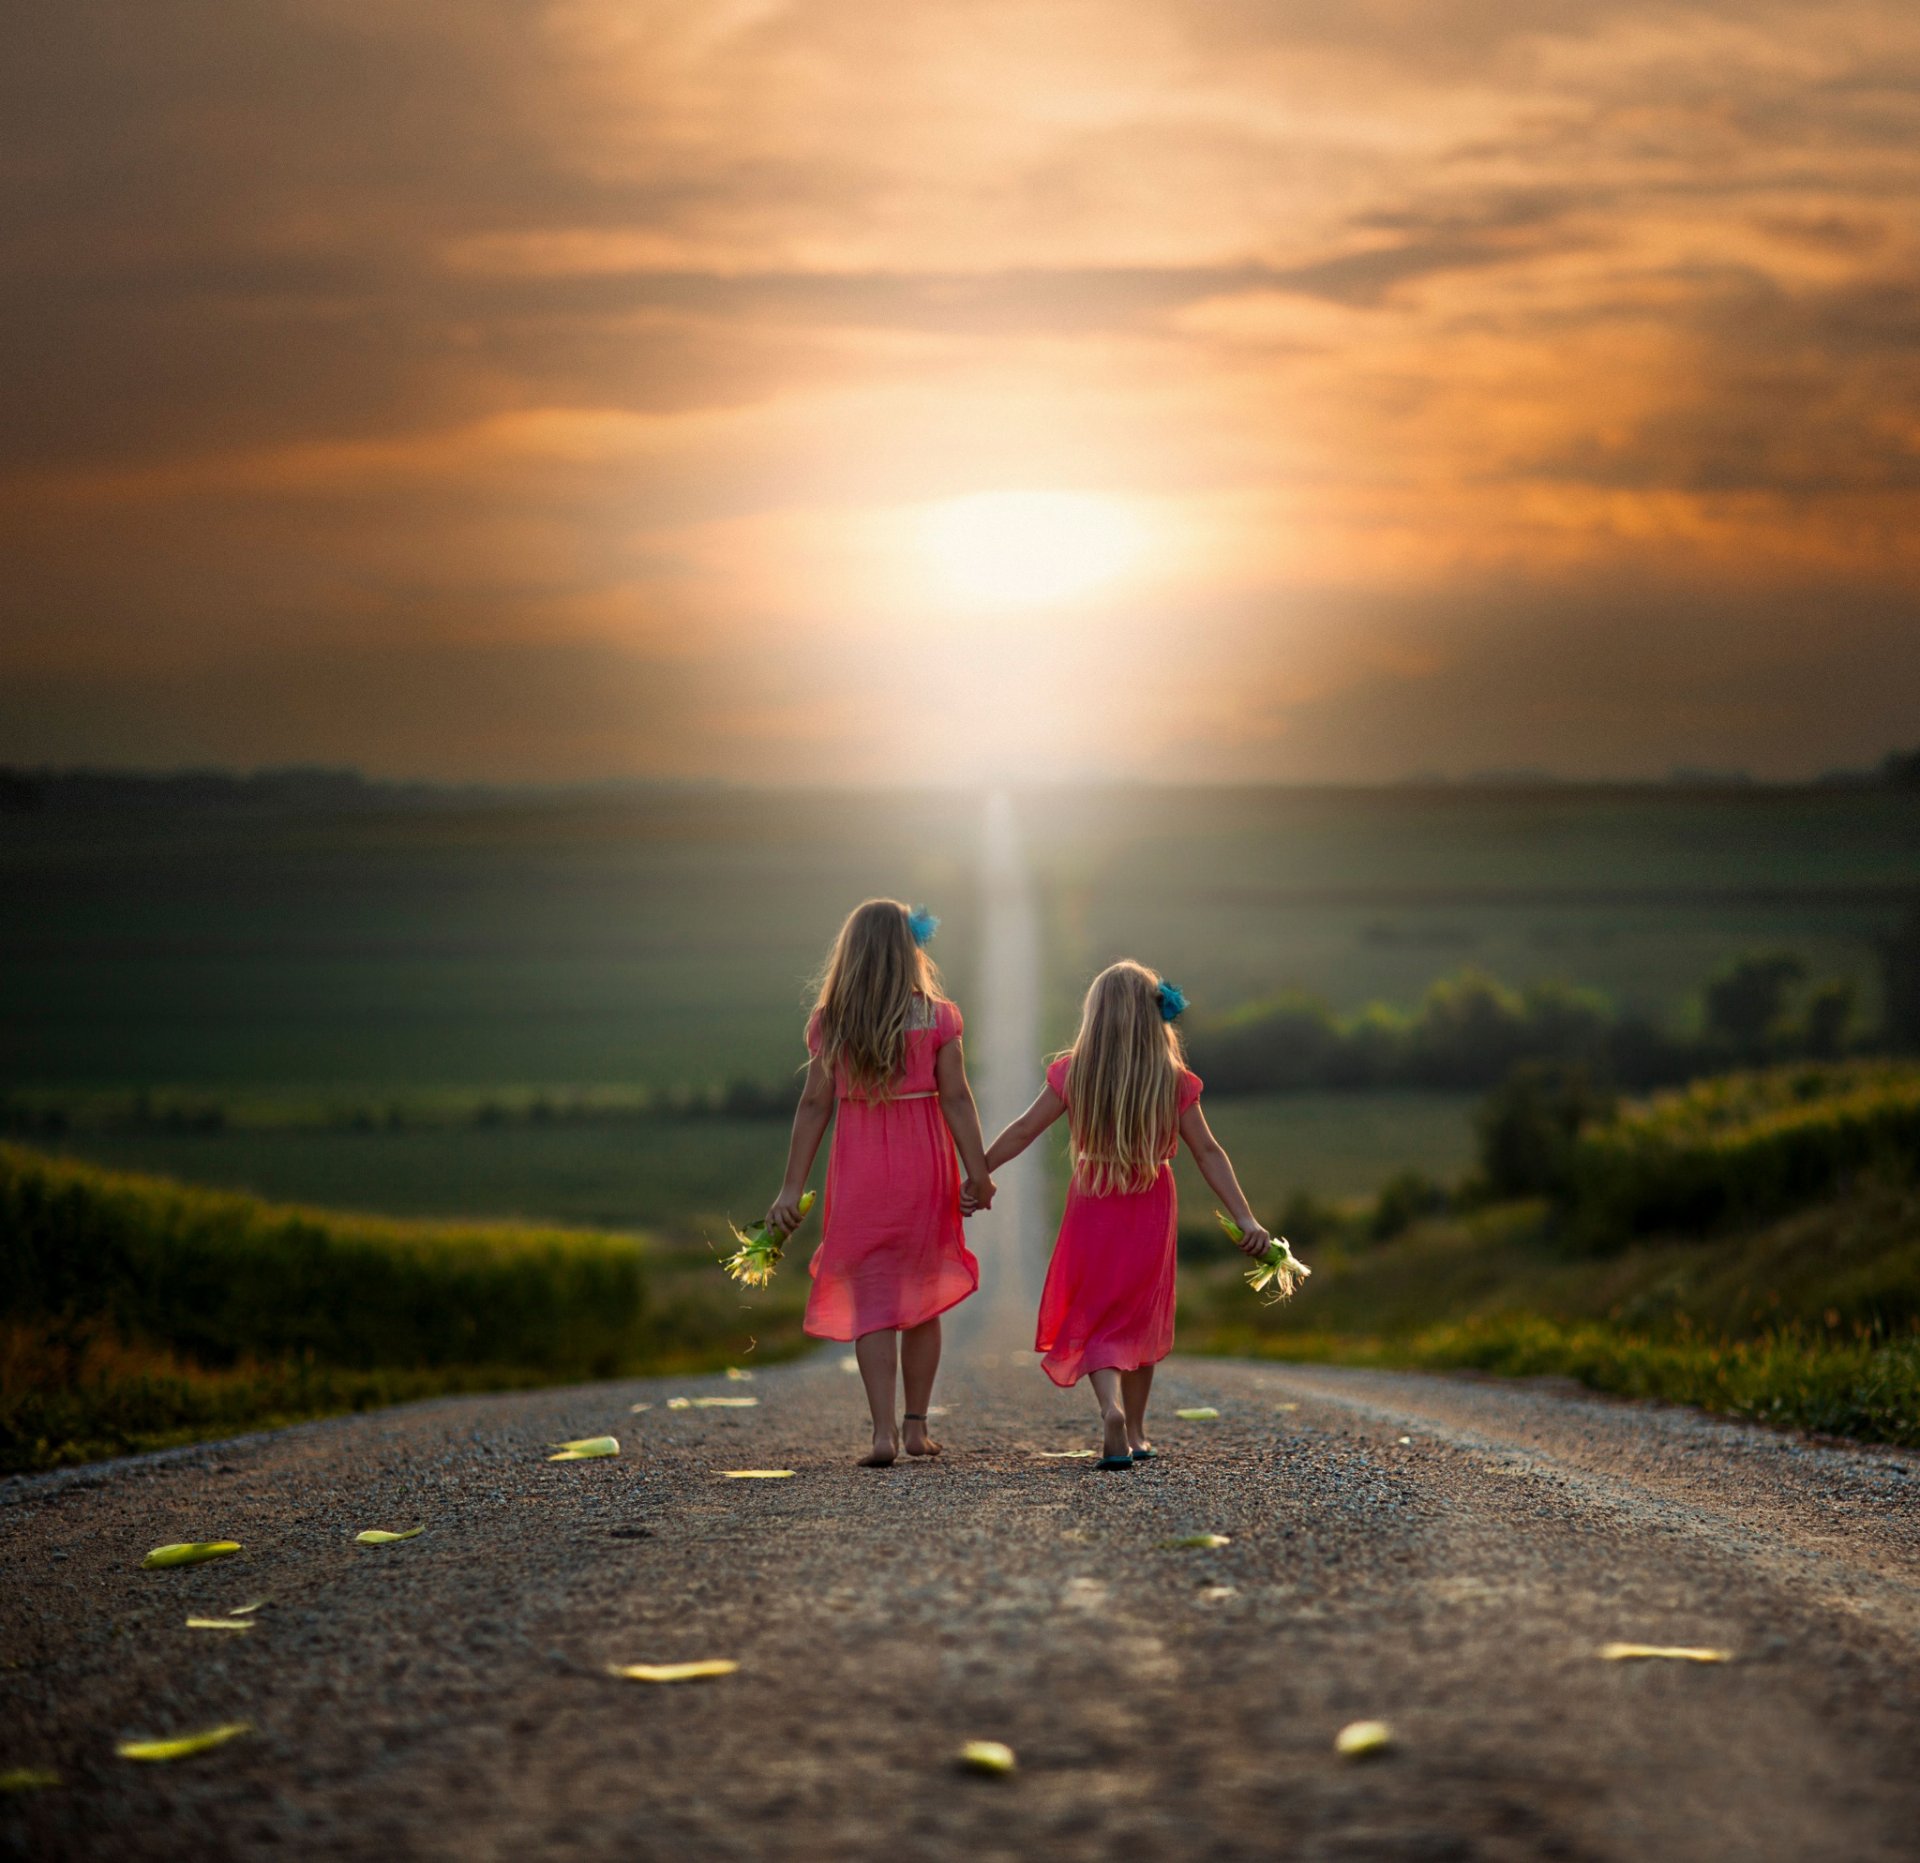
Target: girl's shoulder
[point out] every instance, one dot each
(1057, 1071)
(1191, 1087)
(813, 1031)
(939, 1015)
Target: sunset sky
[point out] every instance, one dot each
(932, 389)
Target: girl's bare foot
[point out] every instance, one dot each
(918, 1441)
(884, 1453)
(1116, 1445)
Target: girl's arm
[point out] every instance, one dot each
(1046, 1108)
(810, 1121)
(1217, 1168)
(963, 1121)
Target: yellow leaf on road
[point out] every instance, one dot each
(220, 1623)
(1660, 1652)
(756, 1474)
(27, 1779)
(989, 1756)
(586, 1448)
(1066, 1455)
(1204, 1414)
(1197, 1542)
(1363, 1739)
(725, 1403)
(379, 1536)
(189, 1552)
(738, 1376)
(184, 1745)
(670, 1671)
(247, 1610)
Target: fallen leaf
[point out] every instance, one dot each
(633, 1410)
(850, 1363)
(1216, 1594)
(1658, 1652)
(738, 1376)
(1066, 1455)
(670, 1671)
(993, 1757)
(1405, 1441)
(679, 1403)
(1196, 1542)
(189, 1552)
(184, 1745)
(248, 1609)
(1363, 1739)
(756, 1474)
(725, 1403)
(1286, 1406)
(220, 1623)
(586, 1448)
(379, 1536)
(1205, 1414)
(27, 1779)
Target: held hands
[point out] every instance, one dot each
(976, 1194)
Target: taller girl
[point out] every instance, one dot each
(884, 1048)
(1107, 1309)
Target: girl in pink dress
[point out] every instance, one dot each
(885, 1066)
(1107, 1309)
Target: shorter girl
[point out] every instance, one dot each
(885, 1055)
(1107, 1310)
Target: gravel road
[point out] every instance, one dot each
(1445, 1554)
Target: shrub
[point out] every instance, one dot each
(1527, 1129)
(1740, 1148)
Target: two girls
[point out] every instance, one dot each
(884, 1047)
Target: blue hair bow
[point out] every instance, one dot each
(1171, 998)
(923, 925)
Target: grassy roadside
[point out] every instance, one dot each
(137, 1313)
(1810, 1322)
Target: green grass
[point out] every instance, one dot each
(1812, 1320)
(135, 1311)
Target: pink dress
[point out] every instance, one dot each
(892, 1252)
(1108, 1302)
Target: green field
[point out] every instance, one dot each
(653, 938)
(347, 990)
(1371, 895)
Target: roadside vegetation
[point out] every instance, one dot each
(135, 1311)
(1751, 1245)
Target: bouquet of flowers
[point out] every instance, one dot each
(753, 1262)
(1279, 1269)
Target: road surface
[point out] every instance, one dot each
(1444, 1554)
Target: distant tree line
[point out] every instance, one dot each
(1471, 1032)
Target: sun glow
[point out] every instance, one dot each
(1028, 549)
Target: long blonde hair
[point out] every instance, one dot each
(866, 999)
(1123, 1083)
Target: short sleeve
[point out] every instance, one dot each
(1057, 1076)
(948, 1023)
(813, 1033)
(1191, 1086)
